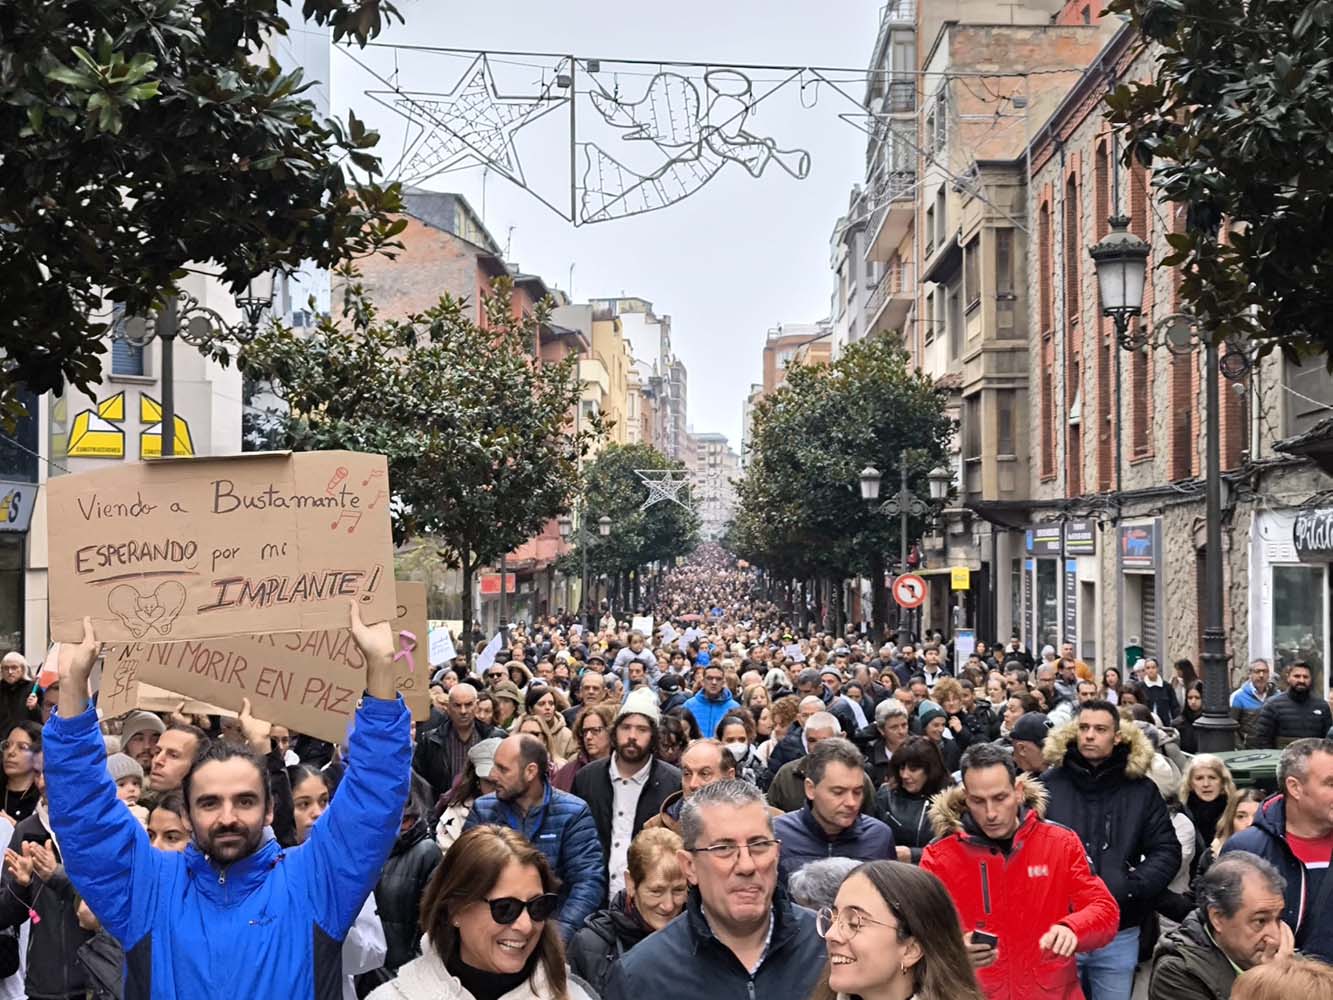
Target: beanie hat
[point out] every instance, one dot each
(641, 701)
(140, 722)
(1032, 727)
(123, 766)
(930, 715)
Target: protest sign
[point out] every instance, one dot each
(201, 548)
(644, 624)
(441, 647)
(308, 681)
(121, 697)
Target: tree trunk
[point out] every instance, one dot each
(837, 618)
(638, 597)
(467, 607)
(879, 599)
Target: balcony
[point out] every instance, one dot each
(891, 299)
(894, 195)
(898, 12)
(900, 98)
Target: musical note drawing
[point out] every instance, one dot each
(377, 474)
(378, 497)
(347, 515)
(339, 474)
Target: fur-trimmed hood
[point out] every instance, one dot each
(947, 807)
(1140, 751)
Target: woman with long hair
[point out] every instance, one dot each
(22, 744)
(916, 773)
(893, 934)
(736, 731)
(1184, 722)
(490, 928)
(1111, 684)
(756, 697)
(784, 712)
(542, 703)
(1238, 816)
(475, 782)
(654, 895)
(592, 734)
(1205, 793)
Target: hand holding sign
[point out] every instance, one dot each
(76, 666)
(376, 645)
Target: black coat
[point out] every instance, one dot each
(432, 762)
(791, 748)
(398, 894)
(907, 817)
(103, 961)
(602, 941)
(14, 705)
(1119, 815)
(593, 786)
(1284, 719)
(55, 939)
(684, 959)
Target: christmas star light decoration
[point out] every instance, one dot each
(472, 122)
(663, 484)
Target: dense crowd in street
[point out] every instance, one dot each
(721, 805)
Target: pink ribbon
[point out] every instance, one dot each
(407, 642)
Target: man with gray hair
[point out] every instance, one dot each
(831, 823)
(1293, 831)
(1248, 700)
(892, 727)
(740, 935)
(20, 698)
(787, 792)
(1237, 926)
(815, 884)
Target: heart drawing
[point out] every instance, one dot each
(141, 613)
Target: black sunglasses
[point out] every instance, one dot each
(506, 909)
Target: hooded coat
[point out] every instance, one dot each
(1043, 880)
(1118, 814)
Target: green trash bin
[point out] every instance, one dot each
(1253, 768)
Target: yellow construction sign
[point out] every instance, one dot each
(94, 434)
(960, 578)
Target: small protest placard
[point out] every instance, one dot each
(309, 681)
(202, 548)
(644, 624)
(441, 647)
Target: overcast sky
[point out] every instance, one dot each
(728, 263)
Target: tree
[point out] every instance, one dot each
(139, 137)
(638, 537)
(1236, 121)
(800, 512)
(476, 430)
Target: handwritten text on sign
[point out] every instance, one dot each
(310, 681)
(202, 548)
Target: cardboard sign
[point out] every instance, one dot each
(202, 548)
(308, 681)
(119, 699)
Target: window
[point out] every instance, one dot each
(971, 427)
(1309, 395)
(1298, 619)
(126, 358)
(1044, 264)
(930, 230)
(1004, 422)
(1004, 262)
(937, 123)
(972, 272)
(1071, 251)
(955, 323)
(930, 317)
(941, 217)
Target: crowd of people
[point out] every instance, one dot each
(721, 805)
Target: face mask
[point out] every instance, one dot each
(738, 750)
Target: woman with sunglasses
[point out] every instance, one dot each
(893, 933)
(490, 928)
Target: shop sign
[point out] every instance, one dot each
(960, 578)
(1138, 546)
(1312, 534)
(1081, 538)
(16, 503)
(1071, 602)
(1044, 540)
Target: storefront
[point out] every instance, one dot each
(1058, 582)
(1139, 564)
(1042, 586)
(1290, 556)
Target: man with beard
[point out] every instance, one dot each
(627, 789)
(1296, 714)
(555, 822)
(235, 914)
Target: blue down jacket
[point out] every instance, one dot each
(268, 925)
(562, 828)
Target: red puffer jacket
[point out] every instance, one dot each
(1044, 880)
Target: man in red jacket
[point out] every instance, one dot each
(1017, 878)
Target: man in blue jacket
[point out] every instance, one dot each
(831, 824)
(713, 700)
(1293, 831)
(558, 824)
(235, 915)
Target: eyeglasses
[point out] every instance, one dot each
(851, 922)
(593, 730)
(506, 909)
(8, 745)
(758, 849)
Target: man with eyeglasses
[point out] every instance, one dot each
(20, 698)
(556, 823)
(1021, 880)
(441, 752)
(740, 935)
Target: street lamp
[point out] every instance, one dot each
(940, 480)
(604, 526)
(903, 504)
(186, 317)
(1121, 262)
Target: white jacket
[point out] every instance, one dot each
(426, 978)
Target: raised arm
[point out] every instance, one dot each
(106, 851)
(348, 846)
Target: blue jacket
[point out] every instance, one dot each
(1267, 837)
(804, 840)
(268, 925)
(709, 713)
(684, 959)
(562, 828)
